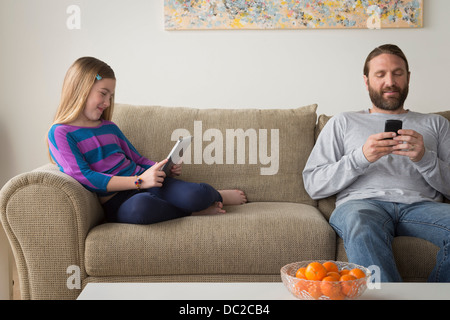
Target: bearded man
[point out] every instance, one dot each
(387, 184)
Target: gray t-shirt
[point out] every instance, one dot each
(338, 166)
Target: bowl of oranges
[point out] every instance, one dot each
(325, 280)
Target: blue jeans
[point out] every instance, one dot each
(175, 199)
(368, 227)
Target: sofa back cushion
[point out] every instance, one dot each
(262, 152)
(445, 114)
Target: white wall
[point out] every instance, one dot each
(230, 69)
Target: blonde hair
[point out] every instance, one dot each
(77, 85)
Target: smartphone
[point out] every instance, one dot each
(393, 126)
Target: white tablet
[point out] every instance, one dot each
(176, 155)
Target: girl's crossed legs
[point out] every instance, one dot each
(175, 199)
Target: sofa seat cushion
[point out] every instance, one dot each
(255, 238)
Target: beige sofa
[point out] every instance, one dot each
(61, 243)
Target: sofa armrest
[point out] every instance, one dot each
(46, 215)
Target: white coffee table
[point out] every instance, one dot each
(248, 291)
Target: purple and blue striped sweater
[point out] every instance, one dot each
(94, 155)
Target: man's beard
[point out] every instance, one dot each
(392, 103)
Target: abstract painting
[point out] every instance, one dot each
(291, 14)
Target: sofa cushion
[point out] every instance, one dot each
(284, 136)
(445, 114)
(255, 238)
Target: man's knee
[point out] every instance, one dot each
(359, 219)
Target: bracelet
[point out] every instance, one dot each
(138, 182)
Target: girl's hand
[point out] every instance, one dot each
(153, 177)
(175, 170)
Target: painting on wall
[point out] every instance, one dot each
(291, 14)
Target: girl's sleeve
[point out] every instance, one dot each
(64, 151)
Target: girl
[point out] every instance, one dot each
(87, 145)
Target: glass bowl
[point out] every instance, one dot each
(324, 290)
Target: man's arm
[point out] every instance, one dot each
(328, 170)
(433, 166)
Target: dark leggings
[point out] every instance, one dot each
(175, 199)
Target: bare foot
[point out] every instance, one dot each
(229, 197)
(216, 208)
(233, 197)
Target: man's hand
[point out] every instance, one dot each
(410, 144)
(379, 145)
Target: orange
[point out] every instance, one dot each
(331, 288)
(331, 266)
(315, 271)
(301, 273)
(347, 277)
(300, 286)
(314, 290)
(333, 274)
(357, 273)
(344, 271)
(347, 284)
